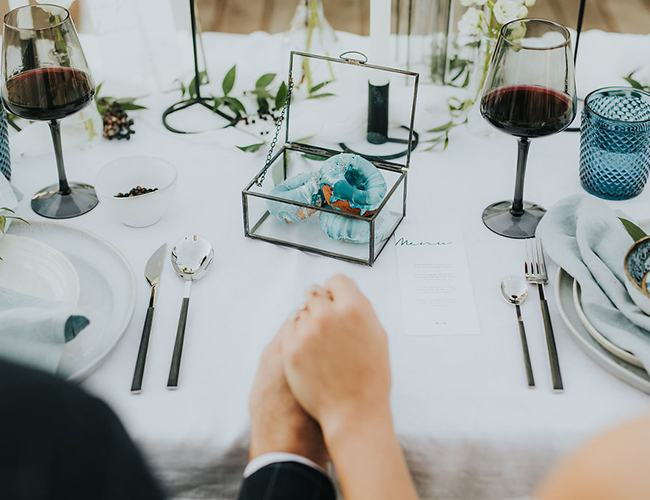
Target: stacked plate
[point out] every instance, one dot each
(614, 359)
(59, 262)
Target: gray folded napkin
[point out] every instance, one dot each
(586, 238)
(33, 331)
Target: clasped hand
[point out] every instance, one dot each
(323, 388)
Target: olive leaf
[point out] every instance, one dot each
(229, 80)
(235, 104)
(319, 86)
(635, 84)
(320, 96)
(252, 148)
(263, 105)
(281, 96)
(103, 102)
(193, 85)
(436, 141)
(442, 128)
(183, 88)
(129, 106)
(265, 80)
(633, 230)
(263, 93)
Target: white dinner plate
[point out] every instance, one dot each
(31, 267)
(633, 375)
(599, 337)
(107, 292)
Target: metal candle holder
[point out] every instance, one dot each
(206, 102)
(378, 105)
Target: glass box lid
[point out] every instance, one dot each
(346, 104)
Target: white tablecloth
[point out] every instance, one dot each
(471, 427)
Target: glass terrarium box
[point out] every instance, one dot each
(337, 186)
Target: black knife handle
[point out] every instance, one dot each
(138, 374)
(174, 370)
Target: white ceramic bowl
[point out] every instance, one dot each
(637, 267)
(124, 174)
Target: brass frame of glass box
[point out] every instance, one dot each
(281, 155)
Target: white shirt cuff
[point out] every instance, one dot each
(277, 456)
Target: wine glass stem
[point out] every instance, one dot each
(522, 159)
(55, 128)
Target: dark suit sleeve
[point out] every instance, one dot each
(287, 481)
(57, 442)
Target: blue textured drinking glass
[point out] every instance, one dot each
(615, 142)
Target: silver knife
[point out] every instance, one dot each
(152, 272)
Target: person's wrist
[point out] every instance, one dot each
(298, 435)
(344, 424)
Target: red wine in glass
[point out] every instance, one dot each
(529, 92)
(48, 93)
(45, 77)
(528, 110)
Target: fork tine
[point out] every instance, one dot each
(529, 260)
(541, 261)
(540, 258)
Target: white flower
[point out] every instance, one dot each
(466, 3)
(472, 23)
(482, 2)
(508, 10)
(529, 3)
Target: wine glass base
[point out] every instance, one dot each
(51, 203)
(498, 219)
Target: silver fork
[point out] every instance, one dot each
(535, 271)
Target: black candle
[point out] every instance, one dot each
(377, 113)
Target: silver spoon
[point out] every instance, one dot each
(191, 257)
(515, 290)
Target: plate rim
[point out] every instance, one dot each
(621, 369)
(92, 365)
(599, 337)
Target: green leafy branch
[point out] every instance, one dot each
(635, 83)
(458, 116)
(269, 100)
(104, 102)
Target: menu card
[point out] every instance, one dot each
(436, 289)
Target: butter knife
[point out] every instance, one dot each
(152, 272)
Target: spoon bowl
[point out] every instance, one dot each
(514, 289)
(191, 258)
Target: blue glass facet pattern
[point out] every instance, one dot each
(615, 143)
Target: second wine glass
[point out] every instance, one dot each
(529, 92)
(46, 77)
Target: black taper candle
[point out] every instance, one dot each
(377, 113)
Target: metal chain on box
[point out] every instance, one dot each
(278, 127)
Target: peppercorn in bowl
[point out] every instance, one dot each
(137, 190)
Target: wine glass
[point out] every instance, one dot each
(529, 92)
(45, 77)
